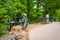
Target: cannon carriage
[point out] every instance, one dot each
(19, 21)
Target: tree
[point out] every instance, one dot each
(52, 6)
(9, 8)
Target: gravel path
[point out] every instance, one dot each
(46, 32)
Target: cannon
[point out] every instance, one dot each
(44, 20)
(23, 21)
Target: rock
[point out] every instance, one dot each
(8, 37)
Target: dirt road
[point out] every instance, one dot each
(46, 32)
(23, 34)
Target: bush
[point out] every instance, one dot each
(58, 15)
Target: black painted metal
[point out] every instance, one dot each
(22, 21)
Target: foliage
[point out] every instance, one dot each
(58, 15)
(9, 8)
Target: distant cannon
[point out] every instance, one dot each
(44, 20)
(22, 21)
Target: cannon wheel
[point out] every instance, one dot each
(24, 25)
